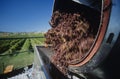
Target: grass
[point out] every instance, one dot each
(20, 58)
(18, 61)
(42, 40)
(20, 35)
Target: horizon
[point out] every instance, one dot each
(23, 32)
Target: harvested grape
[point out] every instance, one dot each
(71, 38)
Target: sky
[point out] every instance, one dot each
(34, 15)
(25, 15)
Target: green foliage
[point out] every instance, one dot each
(17, 46)
(4, 45)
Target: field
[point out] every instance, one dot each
(19, 51)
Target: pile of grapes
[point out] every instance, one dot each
(71, 38)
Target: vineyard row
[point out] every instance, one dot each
(11, 46)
